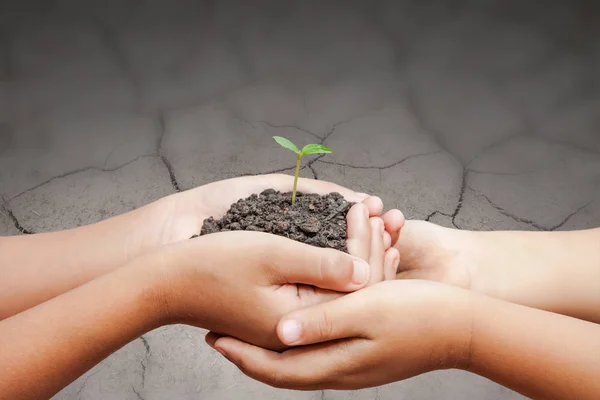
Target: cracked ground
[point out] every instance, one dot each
(469, 114)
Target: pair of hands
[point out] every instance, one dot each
(242, 283)
(381, 334)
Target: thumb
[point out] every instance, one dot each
(341, 318)
(293, 262)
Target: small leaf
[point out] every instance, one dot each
(286, 143)
(315, 149)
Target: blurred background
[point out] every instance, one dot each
(474, 114)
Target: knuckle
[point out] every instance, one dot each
(325, 326)
(325, 266)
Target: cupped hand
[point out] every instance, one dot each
(388, 332)
(179, 216)
(432, 252)
(241, 283)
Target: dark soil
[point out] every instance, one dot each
(318, 220)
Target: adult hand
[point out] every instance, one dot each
(242, 283)
(388, 332)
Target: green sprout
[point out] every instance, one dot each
(306, 150)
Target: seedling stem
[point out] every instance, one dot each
(308, 149)
(296, 179)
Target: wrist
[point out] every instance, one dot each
(482, 252)
(445, 315)
(155, 288)
(455, 315)
(176, 283)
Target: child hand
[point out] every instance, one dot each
(385, 333)
(241, 283)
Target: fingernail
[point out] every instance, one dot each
(381, 226)
(361, 272)
(291, 330)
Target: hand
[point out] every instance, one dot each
(180, 216)
(74, 257)
(552, 271)
(385, 333)
(242, 283)
(432, 252)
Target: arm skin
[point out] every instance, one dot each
(537, 353)
(217, 282)
(35, 268)
(553, 271)
(74, 331)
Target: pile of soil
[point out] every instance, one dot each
(318, 220)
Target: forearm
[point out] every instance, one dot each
(554, 271)
(35, 268)
(537, 353)
(59, 340)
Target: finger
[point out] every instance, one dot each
(342, 318)
(374, 204)
(359, 233)
(211, 338)
(287, 261)
(377, 250)
(394, 221)
(387, 240)
(284, 183)
(392, 260)
(320, 366)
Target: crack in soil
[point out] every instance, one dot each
(383, 167)
(480, 172)
(144, 361)
(76, 171)
(292, 126)
(568, 217)
(314, 172)
(85, 381)
(9, 213)
(274, 171)
(531, 222)
(461, 196)
(433, 214)
(139, 396)
(162, 125)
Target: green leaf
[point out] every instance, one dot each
(286, 144)
(315, 149)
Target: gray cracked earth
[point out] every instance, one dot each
(480, 115)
